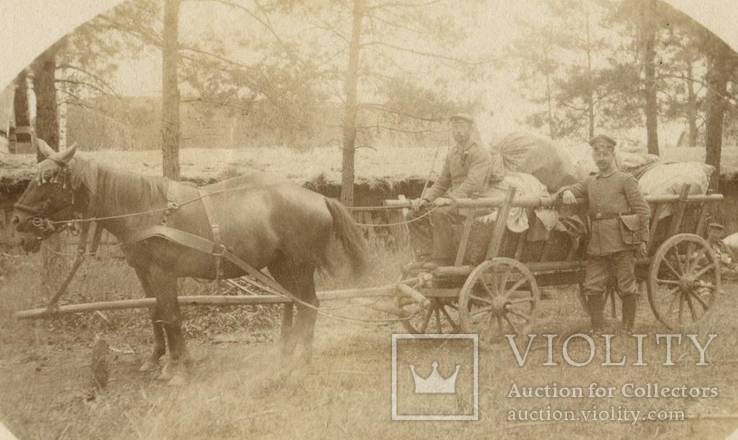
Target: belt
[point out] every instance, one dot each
(600, 216)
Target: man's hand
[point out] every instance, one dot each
(442, 201)
(418, 204)
(568, 198)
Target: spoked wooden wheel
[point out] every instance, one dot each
(499, 297)
(683, 280)
(441, 316)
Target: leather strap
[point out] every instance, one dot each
(208, 247)
(212, 220)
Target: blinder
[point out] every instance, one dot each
(41, 221)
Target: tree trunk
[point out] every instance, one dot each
(691, 106)
(721, 64)
(47, 115)
(590, 81)
(549, 99)
(648, 33)
(22, 113)
(47, 128)
(170, 135)
(349, 117)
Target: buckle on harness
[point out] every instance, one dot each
(219, 250)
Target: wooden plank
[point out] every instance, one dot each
(500, 226)
(654, 225)
(464, 242)
(520, 245)
(678, 216)
(702, 221)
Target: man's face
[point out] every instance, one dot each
(461, 130)
(603, 155)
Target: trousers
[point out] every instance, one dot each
(621, 265)
(434, 235)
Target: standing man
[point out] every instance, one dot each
(465, 173)
(619, 218)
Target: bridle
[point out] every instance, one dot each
(41, 220)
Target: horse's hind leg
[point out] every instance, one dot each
(159, 343)
(298, 279)
(286, 331)
(165, 286)
(292, 277)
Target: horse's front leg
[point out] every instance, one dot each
(165, 286)
(160, 348)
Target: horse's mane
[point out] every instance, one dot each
(113, 191)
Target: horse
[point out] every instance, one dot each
(264, 220)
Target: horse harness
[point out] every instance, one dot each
(214, 246)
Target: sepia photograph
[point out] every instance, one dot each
(365, 219)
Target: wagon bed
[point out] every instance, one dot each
(499, 292)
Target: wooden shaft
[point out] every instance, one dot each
(328, 295)
(536, 202)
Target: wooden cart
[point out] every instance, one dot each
(501, 294)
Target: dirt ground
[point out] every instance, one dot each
(241, 388)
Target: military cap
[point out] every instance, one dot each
(716, 226)
(462, 117)
(607, 140)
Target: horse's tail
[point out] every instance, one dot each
(349, 234)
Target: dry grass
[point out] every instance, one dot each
(318, 164)
(245, 390)
(207, 165)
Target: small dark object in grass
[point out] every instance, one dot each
(100, 363)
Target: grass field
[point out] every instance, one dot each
(241, 388)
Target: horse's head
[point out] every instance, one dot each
(49, 198)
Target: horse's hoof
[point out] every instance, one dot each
(165, 374)
(149, 365)
(177, 380)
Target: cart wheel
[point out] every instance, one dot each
(499, 297)
(683, 280)
(441, 316)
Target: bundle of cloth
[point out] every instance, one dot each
(522, 152)
(655, 177)
(526, 186)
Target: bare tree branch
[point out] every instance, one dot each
(426, 54)
(404, 5)
(84, 84)
(384, 109)
(90, 74)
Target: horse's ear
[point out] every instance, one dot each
(44, 148)
(64, 156)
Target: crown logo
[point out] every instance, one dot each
(435, 383)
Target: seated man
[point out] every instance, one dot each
(465, 173)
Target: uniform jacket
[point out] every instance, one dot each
(609, 195)
(464, 173)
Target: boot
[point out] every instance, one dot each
(629, 313)
(595, 304)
